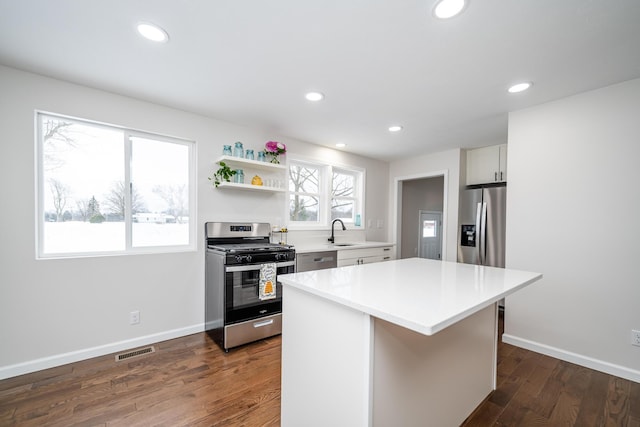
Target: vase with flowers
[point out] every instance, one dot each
(273, 149)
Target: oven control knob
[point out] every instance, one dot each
(248, 258)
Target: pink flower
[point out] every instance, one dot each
(275, 147)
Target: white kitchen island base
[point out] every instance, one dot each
(341, 367)
(361, 350)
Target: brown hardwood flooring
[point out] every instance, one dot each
(189, 381)
(537, 390)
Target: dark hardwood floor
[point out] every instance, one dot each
(190, 381)
(537, 390)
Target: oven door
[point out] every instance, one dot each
(242, 285)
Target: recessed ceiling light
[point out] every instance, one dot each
(152, 32)
(446, 9)
(395, 128)
(520, 87)
(314, 96)
(341, 145)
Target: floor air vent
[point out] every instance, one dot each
(134, 353)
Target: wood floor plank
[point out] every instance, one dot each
(592, 406)
(634, 401)
(190, 381)
(617, 404)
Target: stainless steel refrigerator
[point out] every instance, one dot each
(482, 223)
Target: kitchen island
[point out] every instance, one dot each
(409, 342)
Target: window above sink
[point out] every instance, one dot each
(320, 193)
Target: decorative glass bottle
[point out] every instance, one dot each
(238, 151)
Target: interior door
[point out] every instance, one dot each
(430, 236)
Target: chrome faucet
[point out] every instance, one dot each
(332, 239)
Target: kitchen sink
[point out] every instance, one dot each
(343, 244)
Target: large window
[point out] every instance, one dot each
(104, 189)
(320, 193)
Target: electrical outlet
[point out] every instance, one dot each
(635, 337)
(134, 317)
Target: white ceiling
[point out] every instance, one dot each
(379, 62)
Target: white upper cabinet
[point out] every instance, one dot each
(487, 164)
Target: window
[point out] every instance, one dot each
(320, 193)
(344, 192)
(304, 193)
(104, 189)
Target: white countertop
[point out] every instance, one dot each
(422, 295)
(321, 247)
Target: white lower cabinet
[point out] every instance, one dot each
(364, 255)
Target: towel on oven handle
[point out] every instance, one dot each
(267, 288)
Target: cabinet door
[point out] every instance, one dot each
(483, 165)
(349, 261)
(364, 256)
(503, 163)
(487, 164)
(370, 259)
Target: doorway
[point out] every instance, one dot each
(416, 195)
(430, 235)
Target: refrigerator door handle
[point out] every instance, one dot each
(478, 236)
(483, 234)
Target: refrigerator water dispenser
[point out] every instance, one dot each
(468, 235)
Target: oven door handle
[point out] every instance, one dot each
(253, 267)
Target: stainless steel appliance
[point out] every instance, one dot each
(316, 261)
(238, 256)
(482, 221)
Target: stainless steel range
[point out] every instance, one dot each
(243, 300)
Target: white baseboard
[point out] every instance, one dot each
(75, 356)
(578, 359)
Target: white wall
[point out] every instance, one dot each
(447, 163)
(56, 311)
(573, 215)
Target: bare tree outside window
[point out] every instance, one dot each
(60, 193)
(57, 136)
(342, 195)
(304, 187)
(115, 200)
(82, 209)
(176, 197)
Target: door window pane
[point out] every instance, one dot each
(428, 228)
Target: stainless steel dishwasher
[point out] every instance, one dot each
(316, 260)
